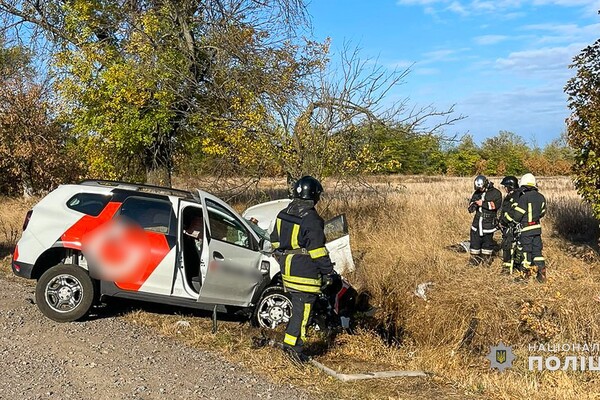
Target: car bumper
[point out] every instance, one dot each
(22, 269)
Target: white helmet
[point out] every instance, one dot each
(527, 180)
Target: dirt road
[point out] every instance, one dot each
(108, 358)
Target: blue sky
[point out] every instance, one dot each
(503, 63)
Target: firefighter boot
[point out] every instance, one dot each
(488, 259)
(475, 260)
(541, 275)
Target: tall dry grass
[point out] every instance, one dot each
(403, 237)
(400, 238)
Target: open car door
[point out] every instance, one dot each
(338, 244)
(232, 257)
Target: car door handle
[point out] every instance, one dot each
(218, 256)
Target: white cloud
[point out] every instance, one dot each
(400, 65)
(551, 60)
(489, 39)
(456, 7)
(494, 6)
(442, 55)
(565, 32)
(536, 113)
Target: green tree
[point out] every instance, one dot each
(143, 81)
(462, 160)
(583, 125)
(505, 154)
(406, 151)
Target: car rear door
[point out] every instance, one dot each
(233, 271)
(136, 249)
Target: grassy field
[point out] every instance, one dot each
(401, 237)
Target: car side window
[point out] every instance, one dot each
(88, 203)
(151, 214)
(224, 226)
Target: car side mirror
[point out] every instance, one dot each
(265, 246)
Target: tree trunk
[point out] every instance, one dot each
(158, 161)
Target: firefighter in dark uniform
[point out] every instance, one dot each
(530, 208)
(485, 203)
(299, 242)
(507, 225)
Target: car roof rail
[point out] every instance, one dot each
(139, 187)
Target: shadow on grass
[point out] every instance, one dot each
(116, 307)
(575, 222)
(6, 249)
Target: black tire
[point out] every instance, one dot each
(65, 293)
(273, 309)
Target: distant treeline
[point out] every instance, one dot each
(504, 154)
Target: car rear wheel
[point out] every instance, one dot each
(274, 308)
(64, 293)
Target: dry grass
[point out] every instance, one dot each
(12, 215)
(400, 238)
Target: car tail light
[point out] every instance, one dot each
(27, 218)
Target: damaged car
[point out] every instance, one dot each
(86, 242)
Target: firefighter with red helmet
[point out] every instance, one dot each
(485, 203)
(299, 242)
(530, 208)
(507, 224)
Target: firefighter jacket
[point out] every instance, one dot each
(485, 219)
(299, 242)
(530, 208)
(509, 202)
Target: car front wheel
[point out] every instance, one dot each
(274, 308)
(64, 293)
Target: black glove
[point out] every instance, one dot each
(472, 207)
(326, 280)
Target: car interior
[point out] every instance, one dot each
(192, 239)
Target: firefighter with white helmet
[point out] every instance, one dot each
(530, 208)
(485, 203)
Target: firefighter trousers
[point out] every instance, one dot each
(507, 247)
(483, 245)
(532, 251)
(302, 304)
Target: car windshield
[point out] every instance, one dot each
(336, 227)
(262, 233)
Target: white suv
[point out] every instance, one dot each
(102, 238)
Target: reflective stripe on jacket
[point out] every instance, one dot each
(299, 226)
(530, 208)
(484, 220)
(509, 202)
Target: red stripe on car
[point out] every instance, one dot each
(72, 236)
(159, 248)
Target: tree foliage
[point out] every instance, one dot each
(35, 153)
(145, 81)
(142, 89)
(462, 160)
(583, 125)
(505, 154)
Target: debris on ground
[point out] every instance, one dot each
(421, 289)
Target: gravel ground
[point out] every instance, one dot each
(108, 358)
